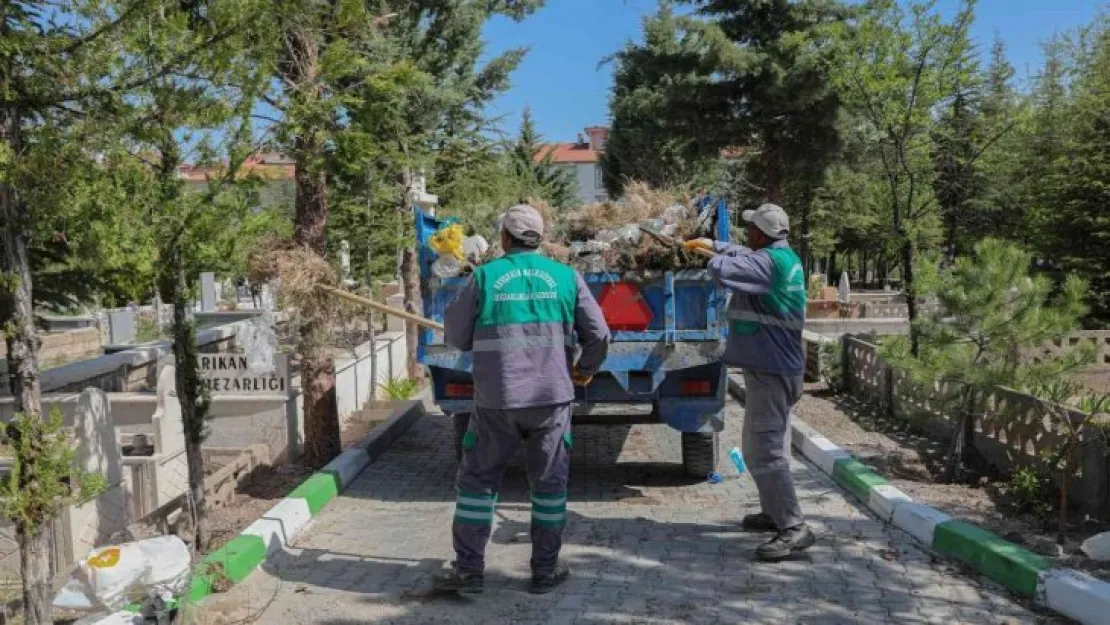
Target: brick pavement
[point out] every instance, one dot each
(646, 545)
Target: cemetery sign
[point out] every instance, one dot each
(227, 373)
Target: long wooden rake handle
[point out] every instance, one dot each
(389, 310)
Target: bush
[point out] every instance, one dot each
(832, 368)
(400, 388)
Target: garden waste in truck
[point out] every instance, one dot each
(668, 332)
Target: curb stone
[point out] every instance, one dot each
(1069, 592)
(277, 528)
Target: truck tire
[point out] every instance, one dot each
(462, 423)
(700, 453)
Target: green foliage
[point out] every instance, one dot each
(832, 366)
(991, 313)
(1029, 490)
(731, 74)
(400, 388)
(146, 331)
(43, 480)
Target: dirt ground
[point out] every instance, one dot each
(914, 463)
(268, 485)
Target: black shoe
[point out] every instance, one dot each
(545, 583)
(760, 522)
(787, 543)
(460, 582)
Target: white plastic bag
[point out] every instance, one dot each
(110, 574)
(169, 561)
(111, 577)
(474, 248)
(116, 618)
(446, 267)
(1097, 547)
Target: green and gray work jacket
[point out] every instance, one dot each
(767, 309)
(520, 315)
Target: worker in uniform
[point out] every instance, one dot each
(519, 316)
(766, 315)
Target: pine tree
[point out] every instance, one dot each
(991, 313)
(1073, 216)
(535, 168)
(735, 74)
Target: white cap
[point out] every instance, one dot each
(524, 223)
(771, 219)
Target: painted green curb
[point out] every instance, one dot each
(237, 559)
(317, 490)
(1004, 562)
(856, 477)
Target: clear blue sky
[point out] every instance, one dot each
(561, 81)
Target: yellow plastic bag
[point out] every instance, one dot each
(449, 241)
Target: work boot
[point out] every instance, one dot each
(544, 583)
(460, 582)
(760, 522)
(787, 543)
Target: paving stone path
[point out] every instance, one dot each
(646, 545)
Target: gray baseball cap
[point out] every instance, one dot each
(524, 223)
(771, 219)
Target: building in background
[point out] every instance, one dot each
(583, 159)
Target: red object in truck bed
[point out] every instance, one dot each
(624, 307)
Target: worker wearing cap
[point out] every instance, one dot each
(766, 315)
(519, 316)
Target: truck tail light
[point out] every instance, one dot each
(695, 387)
(459, 390)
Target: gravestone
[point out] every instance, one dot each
(393, 323)
(121, 327)
(90, 524)
(169, 430)
(208, 297)
(845, 289)
(344, 259)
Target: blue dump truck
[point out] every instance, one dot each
(664, 362)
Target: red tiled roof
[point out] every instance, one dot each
(266, 165)
(569, 153)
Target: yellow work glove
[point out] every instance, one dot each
(693, 244)
(580, 379)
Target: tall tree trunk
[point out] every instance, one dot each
(38, 591)
(772, 172)
(410, 285)
(17, 317)
(300, 68)
(909, 287)
(410, 275)
(194, 405)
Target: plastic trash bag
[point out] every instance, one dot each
(630, 233)
(446, 267)
(474, 248)
(1097, 547)
(449, 241)
(111, 577)
(655, 225)
(115, 618)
